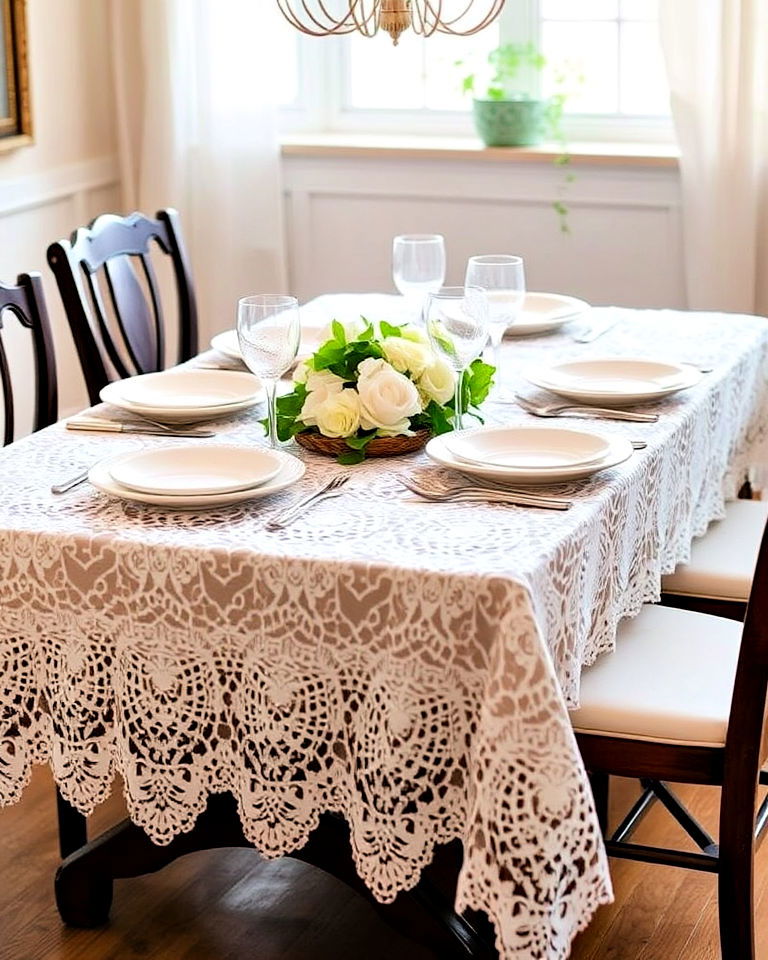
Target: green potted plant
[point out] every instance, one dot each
(506, 111)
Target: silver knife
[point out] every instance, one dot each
(98, 425)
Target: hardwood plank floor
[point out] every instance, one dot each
(231, 905)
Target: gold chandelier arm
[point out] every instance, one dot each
(317, 28)
(427, 18)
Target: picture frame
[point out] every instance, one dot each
(15, 107)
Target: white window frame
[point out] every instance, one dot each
(323, 63)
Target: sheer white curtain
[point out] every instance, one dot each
(197, 131)
(717, 61)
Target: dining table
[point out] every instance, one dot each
(407, 666)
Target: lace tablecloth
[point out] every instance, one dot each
(408, 664)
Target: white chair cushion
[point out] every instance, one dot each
(669, 679)
(723, 561)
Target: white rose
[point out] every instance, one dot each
(406, 355)
(438, 381)
(387, 398)
(339, 414)
(321, 384)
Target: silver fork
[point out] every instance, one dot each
(473, 493)
(556, 409)
(333, 488)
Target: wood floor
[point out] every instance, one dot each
(230, 905)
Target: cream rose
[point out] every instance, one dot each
(387, 398)
(406, 355)
(339, 414)
(321, 384)
(438, 381)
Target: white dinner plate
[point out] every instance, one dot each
(228, 392)
(619, 450)
(615, 381)
(524, 448)
(101, 477)
(227, 343)
(182, 389)
(197, 470)
(543, 312)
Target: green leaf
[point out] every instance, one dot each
(351, 457)
(368, 333)
(360, 440)
(390, 330)
(330, 353)
(477, 382)
(442, 339)
(437, 418)
(338, 333)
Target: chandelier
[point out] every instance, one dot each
(322, 18)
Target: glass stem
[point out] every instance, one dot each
(270, 387)
(457, 420)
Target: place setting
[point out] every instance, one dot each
(195, 477)
(187, 477)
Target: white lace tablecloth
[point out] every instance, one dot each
(408, 664)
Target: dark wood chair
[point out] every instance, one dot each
(27, 302)
(682, 698)
(112, 298)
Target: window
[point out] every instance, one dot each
(606, 53)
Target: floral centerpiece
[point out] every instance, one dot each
(369, 382)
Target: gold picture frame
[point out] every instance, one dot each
(15, 109)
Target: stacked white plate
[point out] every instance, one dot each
(544, 312)
(615, 381)
(191, 477)
(185, 396)
(528, 455)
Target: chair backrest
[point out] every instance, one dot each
(123, 334)
(745, 737)
(27, 302)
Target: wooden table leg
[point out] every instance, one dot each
(84, 880)
(73, 826)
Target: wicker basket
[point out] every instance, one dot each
(380, 447)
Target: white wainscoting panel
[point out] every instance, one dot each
(35, 210)
(624, 246)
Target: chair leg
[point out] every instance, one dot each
(736, 878)
(600, 783)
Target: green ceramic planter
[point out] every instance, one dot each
(509, 123)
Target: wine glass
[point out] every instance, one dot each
(457, 325)
(418, 267)
(503, 277)
(268, 330)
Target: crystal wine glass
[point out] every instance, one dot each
(269, 330)
(418, 267)
(457, 325)
(502, 276)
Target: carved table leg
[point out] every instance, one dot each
(84, 880)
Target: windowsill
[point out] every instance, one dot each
(468, 148)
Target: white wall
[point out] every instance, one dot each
(624, 246)
(70, 174)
